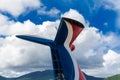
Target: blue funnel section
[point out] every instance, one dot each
(36, 40)
(61, 33)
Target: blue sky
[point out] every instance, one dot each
(97, 16)
(98, 44)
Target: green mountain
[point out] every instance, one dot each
(48, 75)
(44, 75)
(116, 77)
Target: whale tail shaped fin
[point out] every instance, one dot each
(68, 31)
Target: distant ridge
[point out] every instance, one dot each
(2, 78)
(44, 75)
(92, 78)
(48, 75)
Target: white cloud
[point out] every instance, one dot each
(89, 45)
(16, 7)
(10, 28)
(110, 58)
(112, 63)
(112, 40)
(110, 4)
(18, 56)
(53, 12)
(102, 55)
(21, 56)
(3, 19)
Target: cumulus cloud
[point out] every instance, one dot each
(16, 7)
(111, 62)
(110, 4)
(112, 40)
(88, 44)
(4, 19)
(18, 57)
(17, 28)
(110, 58)
(53, 12)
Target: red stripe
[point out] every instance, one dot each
(76, 32)
(81, 76)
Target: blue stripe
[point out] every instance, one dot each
(62, 33)
(36, 39)
(63, 63)
(67, 63)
